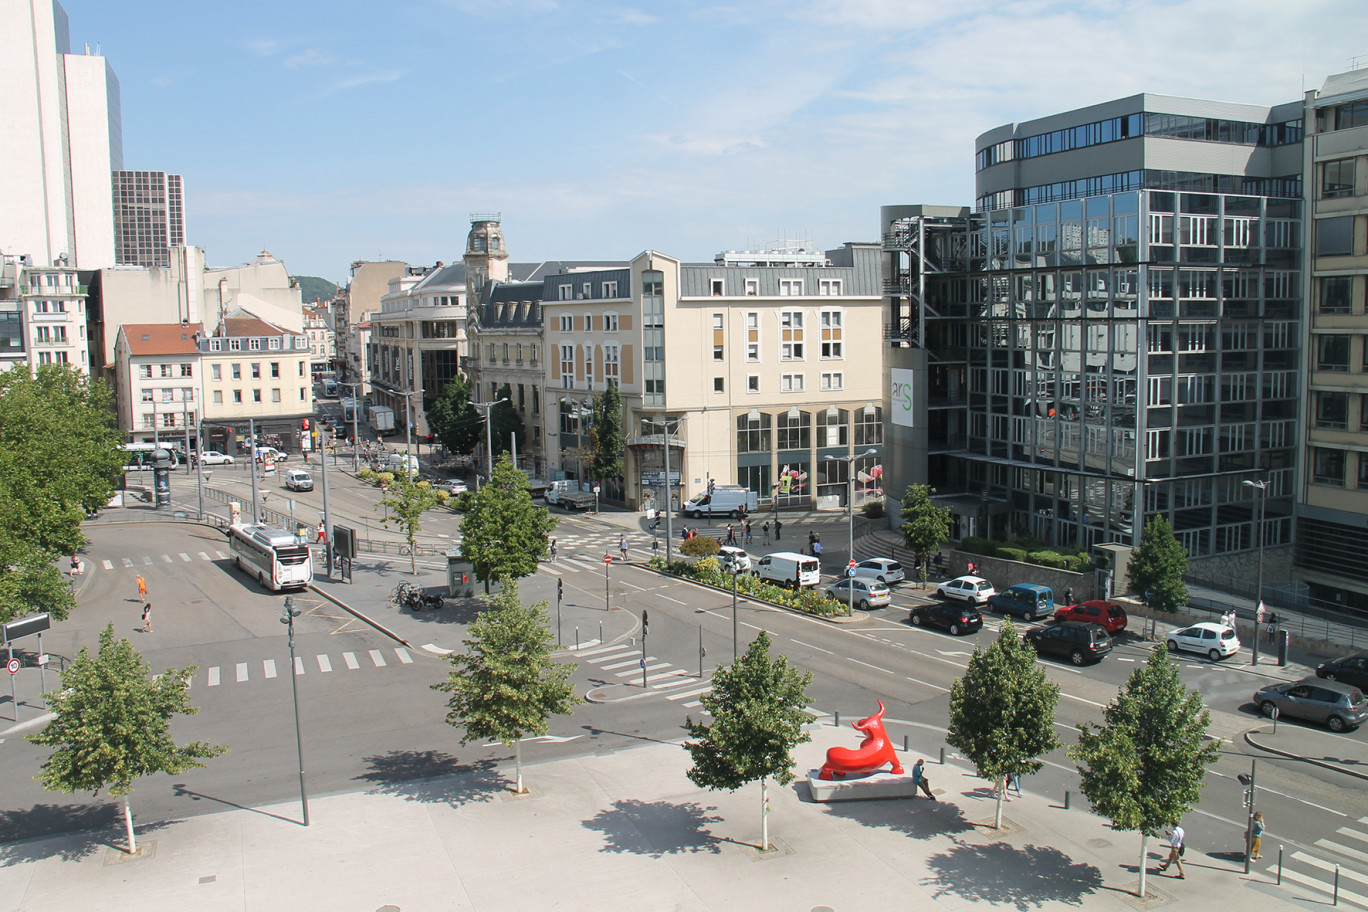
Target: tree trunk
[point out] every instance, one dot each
(517, 763)
(413, 556)
(1001, 794)
(1144, 852)
(128, 824)
(764, 814)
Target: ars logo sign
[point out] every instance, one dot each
(901, 398)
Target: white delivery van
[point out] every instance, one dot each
(395, 463)
(723, 501)
(788, 568)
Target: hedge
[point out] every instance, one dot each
(1027, 551)
(707, 571)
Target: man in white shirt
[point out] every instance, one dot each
(1176, 837)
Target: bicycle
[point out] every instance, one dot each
(415, 597)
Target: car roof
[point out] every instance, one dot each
(968, 579)
(1075, 625)
(1207, 625)
(1336, 686)
(880, 561)
(1030, 587)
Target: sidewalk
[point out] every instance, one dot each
(627, 831)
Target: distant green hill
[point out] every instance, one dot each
(312, 288)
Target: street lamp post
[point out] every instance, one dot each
(1262, 485)
(356, 437)
(850, 508)
(287, 618)
(408, 427)
(669, 527)
(489, 432)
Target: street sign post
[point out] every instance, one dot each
(12, 666)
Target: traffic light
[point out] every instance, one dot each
(711, 486)
(645, 625)
(306, 424)
(560, 589)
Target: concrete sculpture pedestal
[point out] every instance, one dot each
(864, 787)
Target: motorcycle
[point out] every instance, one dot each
(415, 597)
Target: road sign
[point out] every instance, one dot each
(607, 558)
(13, 666)
(851, 565)
(850, 572)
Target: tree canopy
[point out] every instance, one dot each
(925, 526)
(505, 422)
(503, 534)
(1158, 566)
(606, 435)
(454, 420)
(59, 459)
(1002, 711)
(506, 686)
(408, 499)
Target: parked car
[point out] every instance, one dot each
(1215, 640)
(458, 487)
(883, 569)
(868, 593)
(972, 589)
(1350, 669)
(733, 559)
(958, 619)
(214, 457)
(298, 480)
(1336, 705)
(787, 568)
(1107, 615)
(271, 453)
(1080, 643)
(1026, 600)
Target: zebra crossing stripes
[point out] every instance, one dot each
(148, 560)
(667, 676)
(241, 672)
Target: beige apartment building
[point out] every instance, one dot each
(157, 382)
(42, 316)
(255, 371)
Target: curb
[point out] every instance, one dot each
(1249, 739)
(843, 620)
(361, 617)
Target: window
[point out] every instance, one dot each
(752, 286)
(1335, 236)
(587, 290)
(718, 385)
(275, 368)
(256, 371)
(833, 427)
(256, 395)
(187, 395)
(589, 366)
(717, 286)
(218, 397)
(588, 322)
(168, 419)
(1335, 295)
(165, 370)
(237, 371)
(1332, 411)
(274, 343)
(833, 381)
(565, 292)
(187, 370)
(567, 366)
(869, 425)
(791, 383)
(254, 345)
(717, 353)
(790, 287)
(794, 430)
(145, 371)
(567, 324)
(752, 336)
(275, 394)
(168, 395)
(829, 287)
(610, 291)
(831, 333)
(146, 395)
(610, 323)
(1332, 353)
(791, 335)
(752, 383)
(237, 396)
(753, 433)
(1328, 466)
(612, 364)
(1337, 178)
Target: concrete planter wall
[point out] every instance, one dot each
(1003, 573)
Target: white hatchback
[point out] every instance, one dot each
(733, 559)
(972, 589)
(1215, 640)
(883, 569)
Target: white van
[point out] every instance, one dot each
(788, 568)
(723, 501)
(395, 463)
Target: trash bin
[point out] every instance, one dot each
(1284, 643)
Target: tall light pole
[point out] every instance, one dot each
(850, 508)
(669, 487)
(408, 426)
(287, 618)
(356, 437)
(489, 431)
(1262, 485)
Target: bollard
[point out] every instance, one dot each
(1336, 902)
(600, 631)
(577, 637)
(942, 755)
(1068, 799)
(837, 717)
(1280, 865)
(905, 747)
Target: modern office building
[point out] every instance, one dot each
(1113, 333)
(1332, 508)
(60, 139)
(149, 217)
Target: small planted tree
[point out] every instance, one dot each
(111, 725)
(1158, 565)
(699, 546)
(925, 526)
(1144, 767)
(1002, 712)
(505, 422)
(408, 499)
(606, 435)
(757, 705)
(454, 419)
(506, 686)
(503, 534)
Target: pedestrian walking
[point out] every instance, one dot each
(731, 535)
(750, 532)
(919, 780)
(1068, 596)
(1176, 848)
(765, 529)
(147, 617)
(817, 549)
(322, 533)
(1256, 831)
(553, 550)
(940, 564)
(812, 538)
(778, 530)
(622, 546)
(142, 589)
(1014, 784)
(75, 566)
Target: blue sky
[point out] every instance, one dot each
(334, 131)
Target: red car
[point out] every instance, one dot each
(1107, 615)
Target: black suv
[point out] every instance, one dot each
(951, 616)
(1077, 641)
(1351, 670)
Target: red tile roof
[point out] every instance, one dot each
(239, 327)
(161, 338)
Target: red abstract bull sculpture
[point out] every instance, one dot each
(874, 751)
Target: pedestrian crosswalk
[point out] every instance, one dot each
(245, 672)
(148, 560)
(624, 661)
(1327, 875)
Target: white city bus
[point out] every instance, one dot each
(276, 558)
(139, 455)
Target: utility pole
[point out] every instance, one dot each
(251, 463)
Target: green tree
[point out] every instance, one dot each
(1158, 565)
(925, 526)
(505, 685)
(454, 420)
(111, 724)
(503, 534)
(408, 499)
(59, 459)
(699, 546)
(606, 435)
(1002, 712)
(1144, 767)
(505, 422)
(757, 706)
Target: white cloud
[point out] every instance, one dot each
(310, 57)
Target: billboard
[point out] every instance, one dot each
(900, 400)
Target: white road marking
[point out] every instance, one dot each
(693, 703)
(583, 649)
(1342, 849)
(632, 661)
(214, 676)
(108, 565)
(1306, 880)
(684, 694)
(241, 672)
(350, 659)
(324, 663)
(668, 599)
(683, 679)
(268, 668)
(147, 561)
(810, 646)
(430, 647)
(221, 555)
(625, 583)
(867, 665)
(299, 665)
(167, 558)
(127, 562)
(636, 671)
(205, 556)
(1119, 659)
(404, 657)
(185, 557)
(377, 658)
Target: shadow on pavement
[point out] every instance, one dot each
(1026, 877)
(656, 828)
(456, 611)
(85, 829)
(919, 818)
(434, 777)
